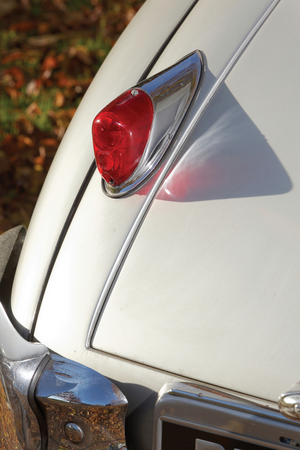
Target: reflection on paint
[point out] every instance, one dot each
(231, 158)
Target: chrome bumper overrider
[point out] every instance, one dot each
(19, 362)
(48, 401)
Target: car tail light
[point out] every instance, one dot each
(120, 134)
(132, 134)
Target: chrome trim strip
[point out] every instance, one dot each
(177, 147)
(87, 180)
(231, 402)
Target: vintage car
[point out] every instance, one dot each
(175, 274)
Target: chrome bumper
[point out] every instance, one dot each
(204, 418)
(48, 401)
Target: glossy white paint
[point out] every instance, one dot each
(210, 288)
(122, 69)
(215, 296)
(101, 224)
(239, 204)
(209, 88)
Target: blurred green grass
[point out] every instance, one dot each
(50, 51)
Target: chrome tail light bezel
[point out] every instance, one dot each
(172, 92)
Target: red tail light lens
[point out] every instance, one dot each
(120, 134)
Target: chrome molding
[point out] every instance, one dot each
(172, 92)
(89, 175)
(289, 402)
(202, 393)
(180, 141)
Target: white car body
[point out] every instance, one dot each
(208, 288)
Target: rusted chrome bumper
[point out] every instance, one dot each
(48, 401)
